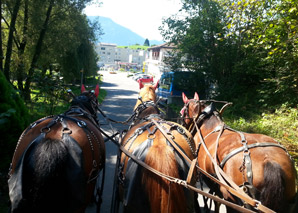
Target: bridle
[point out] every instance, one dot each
(86, 101)
(135, 117)
(185, 114)
(202, 113)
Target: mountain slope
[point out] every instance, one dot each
(117, 34)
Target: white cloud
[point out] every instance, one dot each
(141, 16)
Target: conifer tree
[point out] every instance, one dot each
(147, 43)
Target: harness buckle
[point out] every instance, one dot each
(139, 131)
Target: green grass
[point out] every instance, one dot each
(135, 47)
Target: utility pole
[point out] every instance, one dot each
(82, 76)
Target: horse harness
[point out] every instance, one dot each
(152, 123)
(247, 162)
(157, 123)
(184, 183)
(62, 119)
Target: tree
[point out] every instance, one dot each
(46, 33)
(198, 39)
(269, 29)
(147, 43)
(10, 38)
(246, 49)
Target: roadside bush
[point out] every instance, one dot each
(14, 118)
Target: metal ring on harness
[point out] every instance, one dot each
(45, 129)
(67, 130)
(151, 136)
(81, 124)
(180, 130)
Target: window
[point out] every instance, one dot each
(103, 48)
(155, 55)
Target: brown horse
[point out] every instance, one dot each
(139, 189)
(256, 162)
(58, 160)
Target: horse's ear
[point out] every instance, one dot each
(141, 85)
(96, 92)
(196, 96)
(83, 88)
(155, 85)
(185, 99)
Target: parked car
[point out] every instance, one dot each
(172, 84)
(145, 79)
(137, 75)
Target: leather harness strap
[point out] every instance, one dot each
(250, 146)
(225, 180)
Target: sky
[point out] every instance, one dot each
(140, 16)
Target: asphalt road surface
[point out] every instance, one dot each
(122, 94)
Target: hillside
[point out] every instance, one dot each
(117, 34)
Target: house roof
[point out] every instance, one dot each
(165, 46)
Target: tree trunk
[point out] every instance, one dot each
(21, 64)
(1, 46)
(37, 51)
(10, 39)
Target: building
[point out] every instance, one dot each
(154, 61)
(114, 57)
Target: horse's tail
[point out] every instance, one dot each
(44, 176)
(163, 195)
(273, 190)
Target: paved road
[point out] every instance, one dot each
(122, 93)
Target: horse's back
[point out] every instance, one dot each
(55, 158)
(152, 147)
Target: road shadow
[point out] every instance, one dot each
(118, 105)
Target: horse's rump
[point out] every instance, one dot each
(273, 173)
